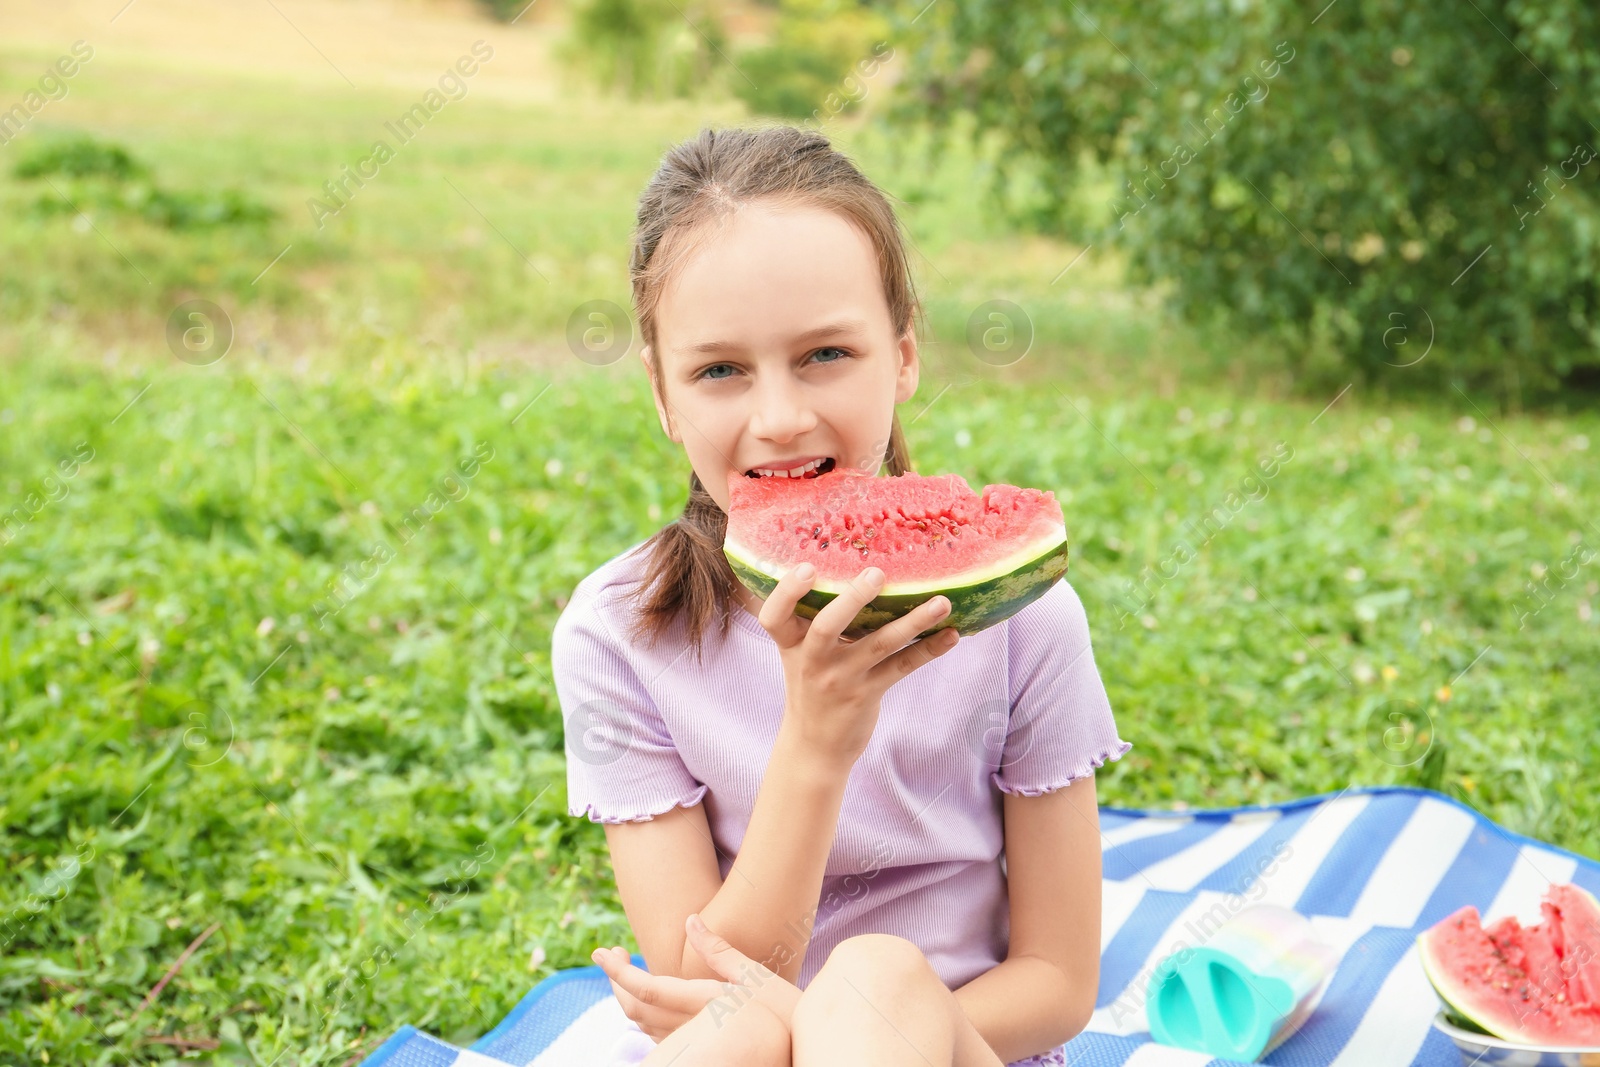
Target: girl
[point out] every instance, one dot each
(832, 852)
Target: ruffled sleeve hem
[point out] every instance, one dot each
(595, 815)
(1115, 752)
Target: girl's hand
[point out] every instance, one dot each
(657, 1004)
(835, 686)
(750, 979)
(660, 1004)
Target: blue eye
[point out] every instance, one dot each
(707, 375)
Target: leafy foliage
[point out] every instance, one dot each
(1324, 177)
(647, 48)
(505, 10)
(104, 176)
(809, 59)
(77, 156)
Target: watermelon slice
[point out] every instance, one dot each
(1536, 985)
(990, 554)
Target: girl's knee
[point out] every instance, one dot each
(882, 962)
(727, 1033)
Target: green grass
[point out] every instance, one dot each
(238, 688)
(308, 786)
(482, 235)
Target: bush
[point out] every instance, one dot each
(505, 10)
(786, 82)
(805, 71)
(105, 176)
(1329, 182)
(77, 156)
(647, 48)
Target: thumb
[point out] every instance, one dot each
(727, 961)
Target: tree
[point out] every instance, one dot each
(1354, 181)
(647, 48)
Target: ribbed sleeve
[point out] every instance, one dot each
(622, 763)
(1061, 727)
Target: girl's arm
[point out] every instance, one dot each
(833, 691)
(1044, 991)
(666, 868)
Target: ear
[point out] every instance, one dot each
(656, 396)
(910, 368)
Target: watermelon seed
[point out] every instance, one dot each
(815, 532)
(823, 545)
(859, 543)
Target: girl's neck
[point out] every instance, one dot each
(747, 600)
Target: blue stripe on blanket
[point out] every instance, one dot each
(1126, 860)
(545, 1014)
(1475, 877)
(1386, 864)
(1344, 874)
(1134, 942)
(1349, 995)
(1239, 873)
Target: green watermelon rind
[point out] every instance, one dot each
(1461, 1022)
(1455, 1011)
(974, 606)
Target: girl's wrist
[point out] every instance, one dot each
(813, 762)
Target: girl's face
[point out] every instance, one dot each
(777, 349)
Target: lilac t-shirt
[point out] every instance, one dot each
(1018, 707)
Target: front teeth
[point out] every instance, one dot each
(802, 472)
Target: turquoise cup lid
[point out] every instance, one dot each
(1243, 992)
(1206, 1001)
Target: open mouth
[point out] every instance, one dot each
(822, 468)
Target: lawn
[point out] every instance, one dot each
(275, 666)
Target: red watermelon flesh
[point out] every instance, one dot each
(917, 529)
(1538, 985)
(990, 553)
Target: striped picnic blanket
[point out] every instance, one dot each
(1369, 867)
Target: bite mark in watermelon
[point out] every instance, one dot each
(1537, 985)
(991, 554)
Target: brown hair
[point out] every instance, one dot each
(706, 180)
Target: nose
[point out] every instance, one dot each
(781, 411)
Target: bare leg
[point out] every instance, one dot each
(876, 1001)
(725, 1035)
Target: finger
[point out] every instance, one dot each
(893, 636)
(722, 957)
(831, 621)
(676, 996)
(644, 988)
(655, 1020)
(649, 1020)
(777, 613)
(911, 657)
(630, 1005)
(694, 991)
